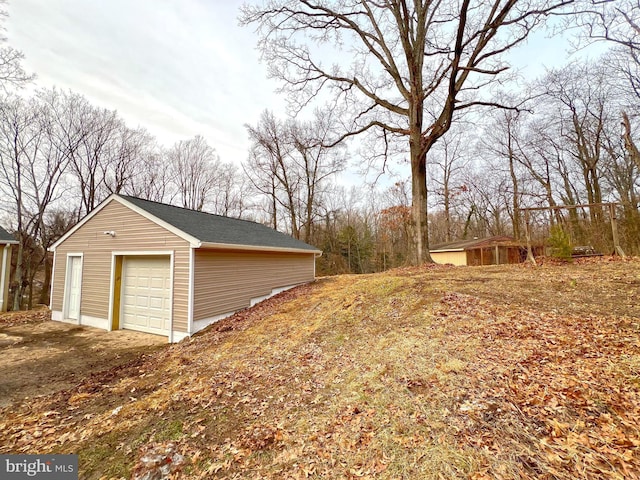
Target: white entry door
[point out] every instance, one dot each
(146, 294)
(74, 285)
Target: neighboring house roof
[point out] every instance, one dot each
(6, 237)
(462, 245)
(205, 229)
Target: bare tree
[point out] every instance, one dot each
(124, 160)
(230, 195)
(412, 65)
(486, 197)
(194, 165)
(316, 164)
(16, 136)
(151, 179)
(291, 164)
(11, 72)
(584, 105)
(32, 165)
(448, 162)
(88, 135)
(622, 175)
(542, 157)
(617, 22)
(268, 168)
(393, 232)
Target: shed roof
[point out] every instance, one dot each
(462, 245)
(6, 237)
(203, 229)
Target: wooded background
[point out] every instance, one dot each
(568, 137)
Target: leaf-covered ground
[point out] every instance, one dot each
(39, 357)
(485, 372)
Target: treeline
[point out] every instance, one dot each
(569, 142)
(572, 144)
(61, 156)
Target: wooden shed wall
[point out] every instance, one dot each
(487, 255)
(225, 281)
(133, 232)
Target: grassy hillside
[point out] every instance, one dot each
(417, 373)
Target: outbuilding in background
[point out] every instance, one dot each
(495, 250)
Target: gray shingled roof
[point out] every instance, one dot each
(209, 228)
(6, 237)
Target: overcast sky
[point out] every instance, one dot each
(177, 67)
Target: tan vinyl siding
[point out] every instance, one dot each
(133, 233)
(226, 281)
(455, 258)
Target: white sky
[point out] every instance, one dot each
(177, 67)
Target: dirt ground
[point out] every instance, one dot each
(39, 356)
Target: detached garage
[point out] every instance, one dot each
(157, 268)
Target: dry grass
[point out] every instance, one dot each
(496, 372)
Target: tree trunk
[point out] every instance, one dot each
(516, 195)
(629, 144)
(447, 212)
(46, 286)
(418, 154)
(419, 207)
(30, 300)
(18, 279)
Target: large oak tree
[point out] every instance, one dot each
(402, 69)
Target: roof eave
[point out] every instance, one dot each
(86, 218)
(257, 248)
(445, 250)
(9, 242)
(193, 241)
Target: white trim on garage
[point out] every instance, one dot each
(67, 290)
(112, 283)
(115, 197)
(256, 248)
(141, 253)
(53, 275)
(138, 253)
(192, 268)
(179, 336)
(205, 322)
(85, 320)
(5, 267)
(171, 276)
(97, 322)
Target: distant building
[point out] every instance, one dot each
(485, 251)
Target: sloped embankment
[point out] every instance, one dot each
(495, 372)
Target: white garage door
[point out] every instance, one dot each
(146, 294)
